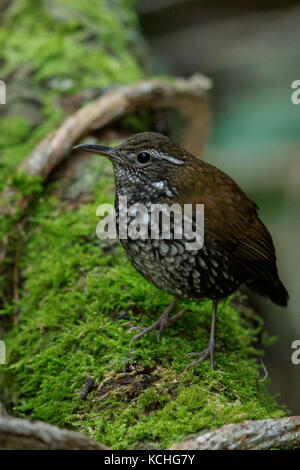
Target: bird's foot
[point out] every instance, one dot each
(159, 325)
(208, 353)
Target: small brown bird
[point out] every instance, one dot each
(149, 168)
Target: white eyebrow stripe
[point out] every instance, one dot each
(172, 159)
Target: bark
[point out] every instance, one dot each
(250, 435)
(22, 434)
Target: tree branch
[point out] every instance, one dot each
(22, 434)
(249, 435)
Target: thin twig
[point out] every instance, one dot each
(87, 388)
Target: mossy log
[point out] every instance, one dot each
(74, 297)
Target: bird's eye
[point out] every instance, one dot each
(143, 158)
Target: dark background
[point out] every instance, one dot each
(251, 52)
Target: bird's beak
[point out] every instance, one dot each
(98, 150)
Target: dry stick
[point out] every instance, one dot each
(87, 388)
(249, 435)
(22, 434)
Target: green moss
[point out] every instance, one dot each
(79, 299)
(57, 49)
(51, 53)
(26, 184)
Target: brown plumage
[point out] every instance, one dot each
(150, 168)
(231, 219)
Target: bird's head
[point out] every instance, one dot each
(145, 162)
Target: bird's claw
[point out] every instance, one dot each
(135, 328)
(208, 353)
(159, 325)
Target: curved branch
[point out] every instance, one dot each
(22, 434)
(110, 107)
(250, 435)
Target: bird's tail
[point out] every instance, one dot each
(276, 292)
(279, 295)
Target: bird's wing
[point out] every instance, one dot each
(232, 222)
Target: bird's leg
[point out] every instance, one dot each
(179, 314)
(209, 351)
(160, 324)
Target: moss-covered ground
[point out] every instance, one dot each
(79, 295)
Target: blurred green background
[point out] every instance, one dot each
(251, 52)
